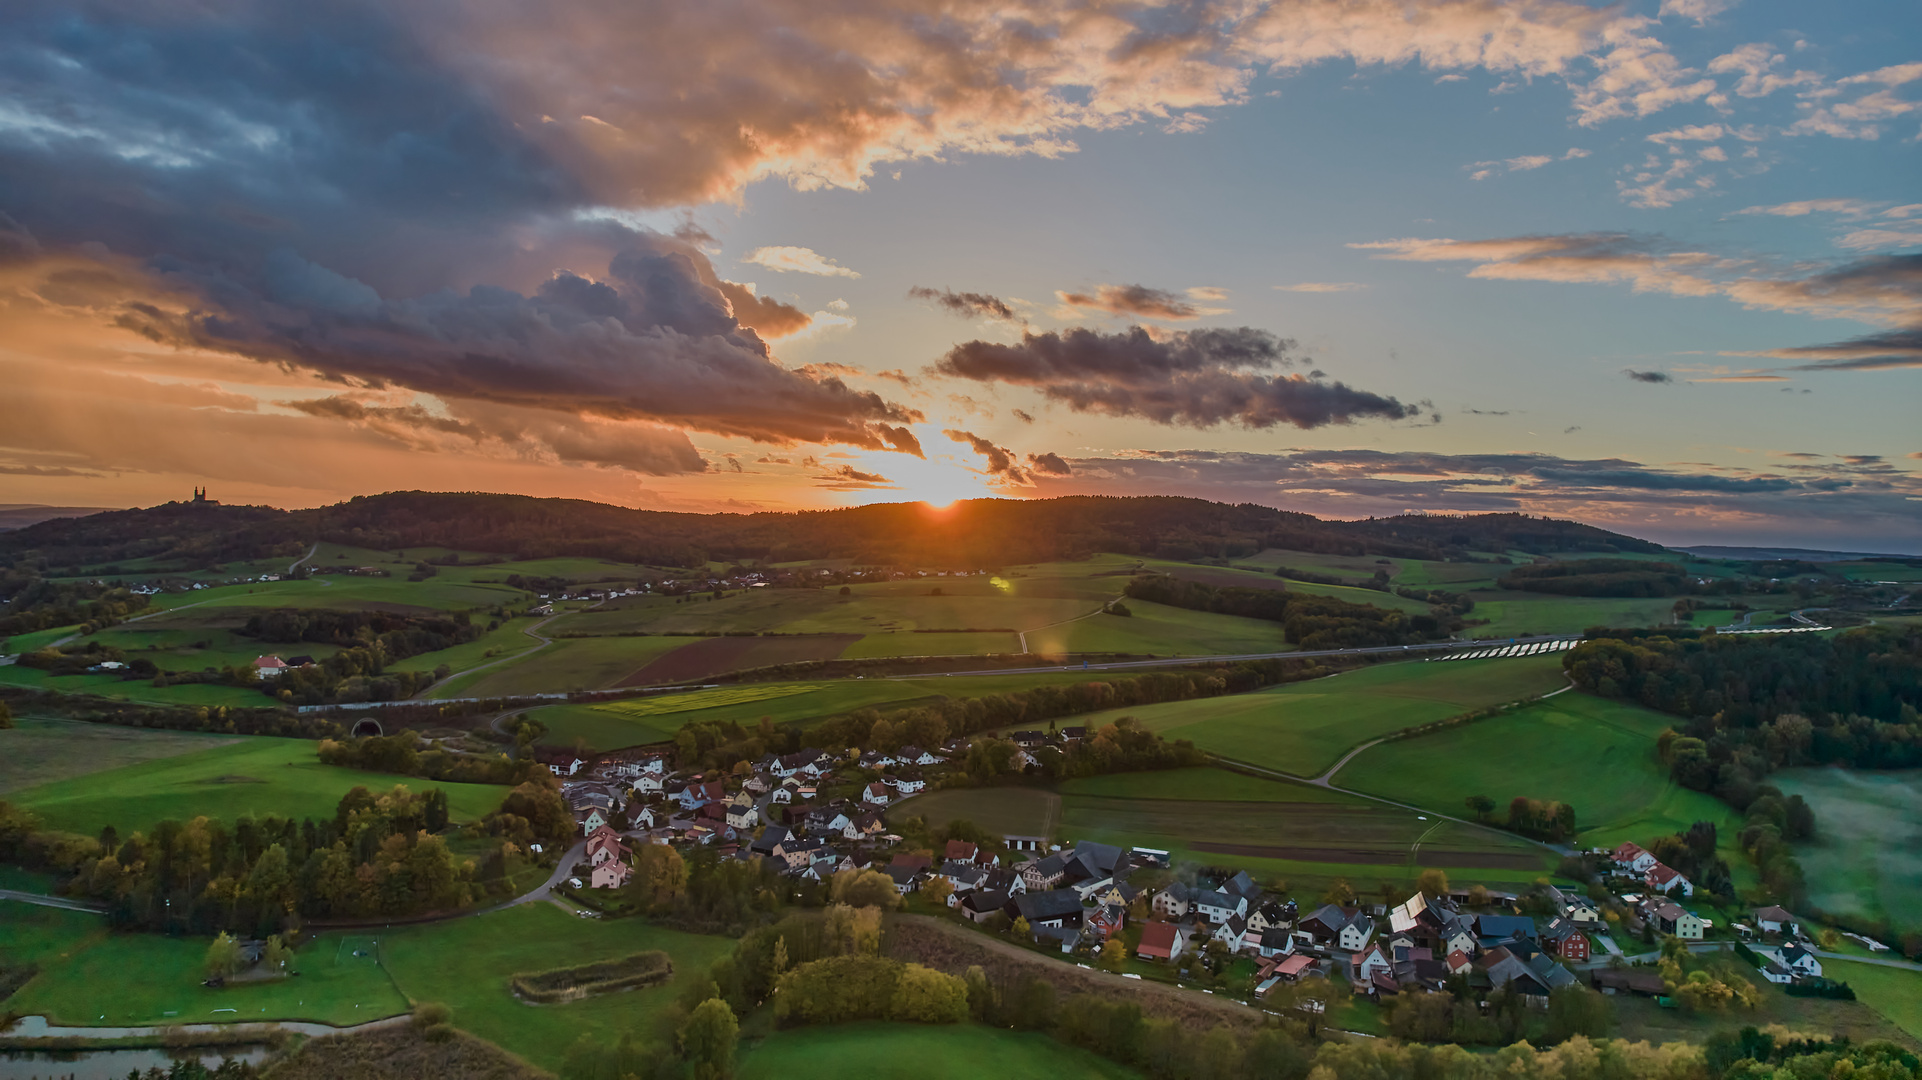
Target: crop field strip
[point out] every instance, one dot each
(705, 699)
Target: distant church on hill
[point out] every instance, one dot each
(201, 499)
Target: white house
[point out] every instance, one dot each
(1367, 963)
(1787, 963)
(269, 667)
(1632, 858)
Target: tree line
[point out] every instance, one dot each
(980, 533)
(1615, 577)
(382, 854)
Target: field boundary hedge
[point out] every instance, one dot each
(586, 980)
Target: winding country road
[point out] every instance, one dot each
(528, 630)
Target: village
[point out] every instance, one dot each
(814, 816)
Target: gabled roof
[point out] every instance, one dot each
(1551, 974)
(1048, 904)
(1502, 926)
(1158, 939)
(1774, 914)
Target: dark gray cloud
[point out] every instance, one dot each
(655, 339)
(1649, 376)
(1874, 352)
(1001, 460)
(1198, 378)
(968, 305)
(849, 478)
(1138, 301)
(530, 433)
(1049, 465)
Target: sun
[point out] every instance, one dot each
(936, 482)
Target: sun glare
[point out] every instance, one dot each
(938, 483)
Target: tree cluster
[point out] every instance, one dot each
(404, 753)
(1308, 620)
(1612, 577)
(29, 602)
(212, 719)
(380, 855)
(1499, 1018)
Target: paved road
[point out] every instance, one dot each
(1229, 658)
(560, 874)
(43, 900)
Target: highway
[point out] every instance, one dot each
(1230, 658)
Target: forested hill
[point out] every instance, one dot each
(976, 533)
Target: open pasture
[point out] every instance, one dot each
(1158, 630)
(36, 640)
(42, 750)
(394, 593)
(1893, 992)
(107, 684)
(882, 1051)
(1003, 811)
(1867, 855)
(504, 641)
(1520, 614)
(90, 975)
(252, 775)
(468, 964)
(1596, 755)
(1303, 728)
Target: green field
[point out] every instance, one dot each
(90, 975)
(1867, 856)
(1596, 755)
(504, 641)
(254, 775)
(38, 639)
(466, 964)
(439, 593)
(568, 664)
(109, 685)
(1303, 728)
(1159, 630)
(1893, 992)
(42, 750)
(1305, 834)
(1519, 614)
(919, 1052)
(1002, 811)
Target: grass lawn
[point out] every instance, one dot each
(1867, 856)
(1597, 755)
(569, 664)
(1642, 1019)
(255, 775)
(41, 750)
(466, 964)
(883, 1051)
(1893, 992)
(1303, 728)
(901, 643)
(1159, 630)
(90, 975)
(1002, 811)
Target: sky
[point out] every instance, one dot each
(1655, 266)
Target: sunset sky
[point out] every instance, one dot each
(1652, 266)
